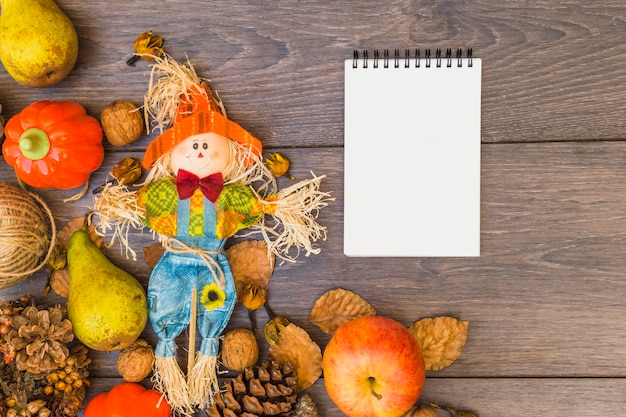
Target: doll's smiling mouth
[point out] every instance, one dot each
(199, 161)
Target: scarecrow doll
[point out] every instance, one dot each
(206, 182)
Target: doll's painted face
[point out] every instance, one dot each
(202, 155)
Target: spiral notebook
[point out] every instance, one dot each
(412, 154)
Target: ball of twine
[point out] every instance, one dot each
(27, 234)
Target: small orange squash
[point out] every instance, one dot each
(128, 399)
(53, 144)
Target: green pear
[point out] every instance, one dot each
(38, 42)
(106, 305)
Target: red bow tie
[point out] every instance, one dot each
(187, 183)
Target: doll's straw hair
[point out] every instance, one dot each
(169, 81)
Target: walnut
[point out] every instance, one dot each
(239, 349)
(122, 122)
(134, 363)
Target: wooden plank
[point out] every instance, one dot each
(496, 397)
(544, 298)
(552, 70)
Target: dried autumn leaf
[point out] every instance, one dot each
(59, 278)
(60, 282)
(337, 307)
(251, 264)
(295, 346)
(152, 254)
(420, 410)
(441, 339)
(63, 236)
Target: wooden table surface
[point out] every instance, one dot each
(545, 300)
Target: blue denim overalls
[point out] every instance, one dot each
(178, 272)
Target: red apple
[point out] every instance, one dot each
(373, 367)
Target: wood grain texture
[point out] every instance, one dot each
(544, 299)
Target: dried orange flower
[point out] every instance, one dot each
(278, 165)
(441, 339)
(337, 307)
(146, 47)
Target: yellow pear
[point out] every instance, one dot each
(38, 42)
(106, 305)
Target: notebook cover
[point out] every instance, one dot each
(412, 160)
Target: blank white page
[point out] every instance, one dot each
(412, 159)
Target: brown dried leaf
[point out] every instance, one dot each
(59, 279)
(420, 410)
(63, 236)
(152, 254)
(60, 282)
(295, 346)
(337, 307)
(251, 264)
(441, 339)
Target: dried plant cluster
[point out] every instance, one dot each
(42, 373)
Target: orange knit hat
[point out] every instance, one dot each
(197, 113)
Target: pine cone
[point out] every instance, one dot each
(267, 389)
(39, 338)
(305, 407)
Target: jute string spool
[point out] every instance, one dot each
(27, 234)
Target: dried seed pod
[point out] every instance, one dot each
(239, 349)
(122, 122)
(253, 297)
(146, 46)
(134, 363)
(420, 410)
(278, 165)
(273, 327)
(127, 171)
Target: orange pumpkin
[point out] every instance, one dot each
(53, 144)
(128, 399)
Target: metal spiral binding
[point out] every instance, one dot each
(439, 58)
